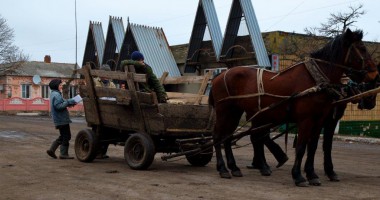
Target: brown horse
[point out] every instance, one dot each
(336, 114)
(302, 94)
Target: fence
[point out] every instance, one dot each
(31, 105)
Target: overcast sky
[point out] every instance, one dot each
(47, 27)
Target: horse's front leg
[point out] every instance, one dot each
(231, 163)
(312, 177)
(299, 180)
(303, 136)
(328, 166)
(259, 161)
(328, 133)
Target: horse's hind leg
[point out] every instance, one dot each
(225, 125)
(233, 122)
(220, 165)
(231, 163)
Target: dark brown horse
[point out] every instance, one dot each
(336, 114)
(302, 94)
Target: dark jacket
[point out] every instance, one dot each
(153, 84)
(58, 107)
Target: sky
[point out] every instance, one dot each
(49, 27)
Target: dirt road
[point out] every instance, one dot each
(26, 172)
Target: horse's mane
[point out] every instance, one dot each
(332, 51)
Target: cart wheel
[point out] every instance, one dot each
(200, 159)
(139, 151)
(86, 145)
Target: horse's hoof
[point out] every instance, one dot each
(251, 167)
(266, 172)
(225, 175)
(302, 184)
(300, 181)
(237, 173)
(315, 182)
(333, 177)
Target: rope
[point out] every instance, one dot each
(260, 85)
(225, 82)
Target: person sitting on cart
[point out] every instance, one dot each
(103, 82)
(153, 84)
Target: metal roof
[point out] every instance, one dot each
(114, 40)
(59, 70)
(240, 9)
(205, 16)
(153, 44)
(255, 33)
(94, 49)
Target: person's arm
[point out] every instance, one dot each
(137, 64)
(59, 103)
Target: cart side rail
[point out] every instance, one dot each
(188, 98)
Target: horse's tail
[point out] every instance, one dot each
(211, 98)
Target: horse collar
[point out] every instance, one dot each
(317, 74)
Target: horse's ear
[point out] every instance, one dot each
(348, 37)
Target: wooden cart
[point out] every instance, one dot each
(145, 127)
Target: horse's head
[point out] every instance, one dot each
(361, 67)
(369, 102)
(348, 52)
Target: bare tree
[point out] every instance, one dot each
(337, 23)
(318, 36)
(8, 51)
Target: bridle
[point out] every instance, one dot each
(364, 71)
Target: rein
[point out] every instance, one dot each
(340, 66)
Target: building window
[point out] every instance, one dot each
(45, 91)
(72, 91)
(25, 91)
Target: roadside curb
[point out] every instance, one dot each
(351, 139)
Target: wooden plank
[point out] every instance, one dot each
(183, 80)
(119, 116)
(185, 116)
(93, 104)
(131, 68)
(147, 98)
(115, 75)
(154, 121)
(163, 77)
(202, 89)
(186, 98)
(135, 102)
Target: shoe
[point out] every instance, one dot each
(51, 154)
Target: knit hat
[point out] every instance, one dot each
(136, 55)
(54, 84)
(105, 67)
